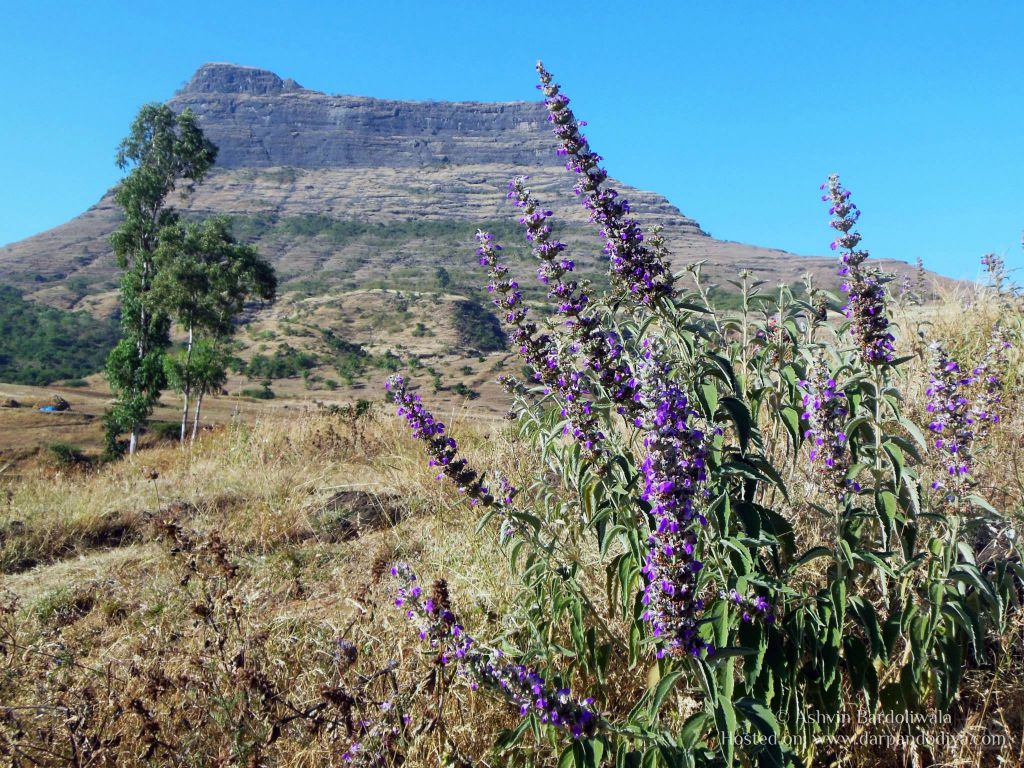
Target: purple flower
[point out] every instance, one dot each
(675, 479)
(751, 609)
(863, 285)
(637, 270)
(601, 352)
(962, 407)
(550, 360)
(521, 685)
(432, 615)
(825, 412)
(443, 450)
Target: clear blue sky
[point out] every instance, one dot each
(735, 111)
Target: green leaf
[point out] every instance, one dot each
(955, 612)
(750, 518)
(791, 420)
(855, 424)
(740, 416)
(509, 737)
(978, 501)
(709, 397)
(950, 672)
(759, 716)
(895, 454)
(725, 720)
(809, 555)
(729, 652)
(856, 659)
(662, 690)
(694, 727)
(969, 574)
(765, 723)
(886, 507)
(589, 753)
(864, 614)
(915, 432)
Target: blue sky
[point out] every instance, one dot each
(735, 111)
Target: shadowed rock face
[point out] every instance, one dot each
(288, 154)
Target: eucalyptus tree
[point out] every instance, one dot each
(163, 152)
(196, 371)
(205, 279)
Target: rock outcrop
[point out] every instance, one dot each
(261, 121)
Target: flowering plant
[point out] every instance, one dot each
(662, 425)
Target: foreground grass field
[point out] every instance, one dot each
(231, 605)
(142, 602)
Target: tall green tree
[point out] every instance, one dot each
(163, 152)
(205, 280)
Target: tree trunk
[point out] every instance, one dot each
(133, 442)
(184, 418)
(195, 417)
(186, 387)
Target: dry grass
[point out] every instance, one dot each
(191, 608)
(302, 509)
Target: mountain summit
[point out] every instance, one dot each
(341, 192)
(230, 78)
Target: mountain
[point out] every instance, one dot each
(349, 192)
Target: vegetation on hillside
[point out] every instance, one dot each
(343, 231)
(40, 344)
(477, 328)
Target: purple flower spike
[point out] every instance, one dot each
(443, 450)
(522, 686)
(601, 352)
(757, 608)
(551, 362)
(863, 285)
(963, 407)
(675, 485)
(637, 270)
(826, 411)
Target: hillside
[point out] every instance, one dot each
(39, 344)
(351, 192)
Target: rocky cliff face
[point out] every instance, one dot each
(348, 191)
(261, 121)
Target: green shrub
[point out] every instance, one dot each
(477, 328)
(286, 363)
(165, 430)
(462, 390)
(261, 393)
(68, 456)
